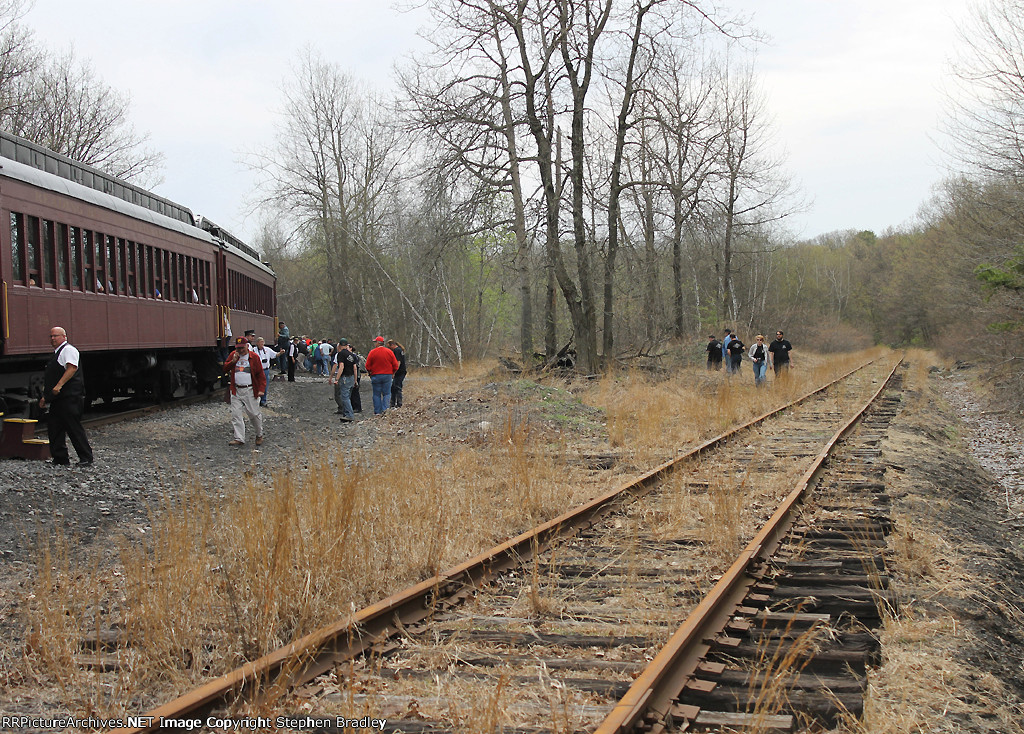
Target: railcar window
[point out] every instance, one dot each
(158, 273)
(194, 286)
(49, 258)
(132, 263)
(180, 277)
(75, 241)
(147, 270)
(167, 275)
(248, 294)
(176, 270)
(90, 259)
(122, 268)
(32, 237)
(187, 272)
(169, 262)
(61, 243)
(17, 248)
(101, 263)
(111, 264)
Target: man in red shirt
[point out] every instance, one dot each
(382, 365)
(248, 384)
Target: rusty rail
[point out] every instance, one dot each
(319, 651)
(651, 698)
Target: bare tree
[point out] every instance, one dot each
(66, 107)
(751, 188)
(335, 168)
(986, 120)
(475, 116)
(682, 145)
(59, 102)
(19, 57)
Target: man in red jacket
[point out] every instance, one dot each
(382, 365)
(248, 384)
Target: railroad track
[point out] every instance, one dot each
(556, 629)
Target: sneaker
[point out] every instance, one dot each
(84, 464)
(259, 440)
(345, 419)
(236, 442)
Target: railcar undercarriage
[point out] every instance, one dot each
(150, 376)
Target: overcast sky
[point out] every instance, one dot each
(855, 88)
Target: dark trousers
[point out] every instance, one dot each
(291, 369)
(396, 390)
(65, 419)
(357, 402)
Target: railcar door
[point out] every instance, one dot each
(223, 304)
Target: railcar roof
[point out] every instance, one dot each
(10, 168)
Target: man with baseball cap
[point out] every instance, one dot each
(343, 376)
(382, 365)
(248, 385)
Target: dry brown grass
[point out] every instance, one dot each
(229, 574)
(219, 582)
(926, 683)
(447, 380)
(922, 688)
(650, 420)
(781, 658)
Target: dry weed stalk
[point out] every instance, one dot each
(722, 515)
(777, 666)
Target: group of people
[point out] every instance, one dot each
(250, 365)
(385, 363)
(730, 351)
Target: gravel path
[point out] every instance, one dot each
(996, 444)
(138, 462)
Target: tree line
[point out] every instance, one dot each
(597, 175)
(593, 173)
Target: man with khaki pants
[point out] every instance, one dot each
(248, 384)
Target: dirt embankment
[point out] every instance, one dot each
(953, 651)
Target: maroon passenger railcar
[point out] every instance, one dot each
(146, 294)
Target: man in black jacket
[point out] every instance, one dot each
(64, 392)
(714, 350)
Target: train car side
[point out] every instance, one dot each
(114, 282)
(146, 298)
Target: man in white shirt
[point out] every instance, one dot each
(325, 357)
(267, 355)
(64, 392)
